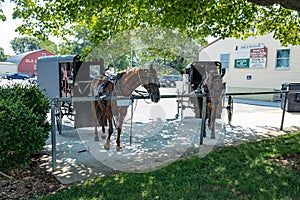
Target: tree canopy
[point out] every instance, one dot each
(91, 22)
(24, 44)
(197, 19)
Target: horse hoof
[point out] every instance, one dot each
(107, 146)
(96, 138)
(103, 136)
(119, 148)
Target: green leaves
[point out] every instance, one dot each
(196, 19)
(23, 124)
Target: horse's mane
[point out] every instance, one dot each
(130, 71)
(120, 74)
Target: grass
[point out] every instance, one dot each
(248, 171)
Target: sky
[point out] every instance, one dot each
(7, 28)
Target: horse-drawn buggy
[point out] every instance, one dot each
(205, 79)
(65, 77)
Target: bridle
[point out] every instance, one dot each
(150, 78)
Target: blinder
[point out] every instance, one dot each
(152, 87)
(152, 80)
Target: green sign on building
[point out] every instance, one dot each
(241, 63)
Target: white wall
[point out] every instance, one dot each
(7, 67)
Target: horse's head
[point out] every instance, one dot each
(151, 83)
(215, 86)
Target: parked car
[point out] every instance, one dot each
(17, 76)
(33, 80)
(169, 80)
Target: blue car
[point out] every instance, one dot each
(169, 80)
(17, 76)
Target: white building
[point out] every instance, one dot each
(255, 64)
(7, 68)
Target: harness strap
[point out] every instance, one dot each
(115, 81)
(140, 77)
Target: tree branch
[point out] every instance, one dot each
(289, 4)
(5, 175)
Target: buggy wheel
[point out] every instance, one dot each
(229, 108)
(69, 111)
(172, 84)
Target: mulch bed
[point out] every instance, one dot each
(30, 182)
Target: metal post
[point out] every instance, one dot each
(53, 134)
(283, 112)
(178, 104)
(181, 106)
(203, 114)
(130, 137)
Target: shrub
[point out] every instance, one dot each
(23, 124)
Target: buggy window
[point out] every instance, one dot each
(94, 71)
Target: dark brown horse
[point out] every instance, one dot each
(213, 86)
(124, 84)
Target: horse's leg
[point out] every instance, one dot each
(207, 117)
(212, 121)
(103, 112)
(94, 113)
(122, 116)
(110, 128)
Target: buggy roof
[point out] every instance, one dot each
(204, 66)
(59, 58)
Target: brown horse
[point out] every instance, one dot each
(213, 86)
(124, 84)
(103, 105)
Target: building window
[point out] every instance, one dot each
(43, 54)
(224, 58)
(282, 59)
